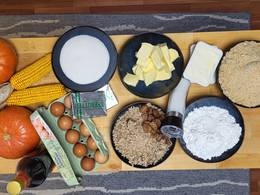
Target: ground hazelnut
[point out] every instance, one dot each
(161, 117)
(158, 123)
(147, 128)
(153, 125)
(150, 117)
(150, 111)
(145, 116)
(156, 113)
(144, 109)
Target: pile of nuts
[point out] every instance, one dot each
(152, 119)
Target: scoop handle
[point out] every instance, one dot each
(177, 98)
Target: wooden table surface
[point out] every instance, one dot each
(248, 156)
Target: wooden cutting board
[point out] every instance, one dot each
(248, 156)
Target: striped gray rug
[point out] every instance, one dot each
(199, 182)
(210, 182)
(55, 25)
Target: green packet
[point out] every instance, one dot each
(54, 148)
(88, 104)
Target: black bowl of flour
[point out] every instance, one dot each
(232, 111)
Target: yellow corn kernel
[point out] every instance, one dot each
(34, 95)
(32, 73)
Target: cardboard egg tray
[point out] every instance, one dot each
(60, 150)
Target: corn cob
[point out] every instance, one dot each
(32, 73)
(33, 95)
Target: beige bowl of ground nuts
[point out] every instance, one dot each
(136, 136)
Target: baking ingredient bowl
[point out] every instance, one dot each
(215, 102)
(136, 140)
(84, 59)
(242, 87)
(128, 60)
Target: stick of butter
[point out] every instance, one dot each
(149, 77)
(202, 64)
(163, 75)
(156, 57)
(145, 51)
(166, 54)
(173, 54)
(131, 79)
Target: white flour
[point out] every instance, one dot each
(209, 131)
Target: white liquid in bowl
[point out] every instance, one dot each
(84, 59)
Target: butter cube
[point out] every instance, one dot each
(131, 79)
(171, 67)
(139, 73)
(145, 51)
(173, 54)
(150, 66)
(156, 57)
(142, 62)
(166, 69)
(134, 68)
(149, 77)
(163, 75)
(166, 55)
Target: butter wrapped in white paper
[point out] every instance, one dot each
(202, 65)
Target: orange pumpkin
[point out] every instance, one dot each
(8, 61)
(17, 135)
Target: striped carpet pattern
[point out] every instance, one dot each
(55, 25)
(199, 182)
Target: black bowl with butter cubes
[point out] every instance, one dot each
(151, 65)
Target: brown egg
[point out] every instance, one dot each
(79, 149)
(87, 163)
(72, 136)
(84, 130)
(57, 109)
(100, 158)
(65, 122)
(67, 101)
(91, 144)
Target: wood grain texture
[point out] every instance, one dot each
(255, 181)
(248, 156)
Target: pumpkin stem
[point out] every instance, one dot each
(7, 137)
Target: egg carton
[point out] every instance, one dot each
(53, 137)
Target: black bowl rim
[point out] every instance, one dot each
(124, 159)
(84, 30)
(143, 34)
(217, 73)
(227, 153)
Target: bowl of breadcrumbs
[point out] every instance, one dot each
(239, 74)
